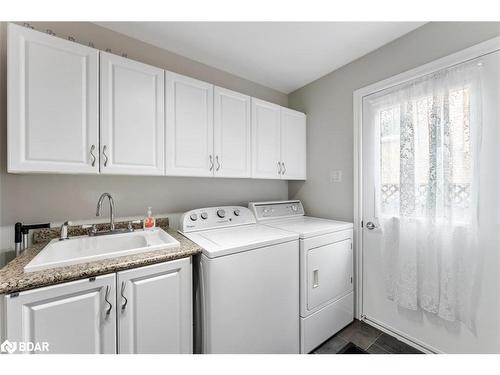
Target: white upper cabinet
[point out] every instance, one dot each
(146, 121)
(232, 134)
(53, 108)
(278, 142)
(132, 117)
(293, 145)
(189, 128)
(78, 317)
(266, 139)
(155, 309)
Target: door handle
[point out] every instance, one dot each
(315, 278)
(110, 306)
(105, 156)
(370, 226)
(125, 298)
(279, 167)
(92, 148)
(218, 164)
(211, 163)
(284, 169)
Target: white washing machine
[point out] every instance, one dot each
(247, 294)
(326, 268)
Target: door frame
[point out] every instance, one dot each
(478, 50)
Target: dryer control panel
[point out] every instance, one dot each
(276, 210)
(215, 217)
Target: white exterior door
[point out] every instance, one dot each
(155, 309)
(232, 129)
(76, 317)
(293, 144)
(53, 104)
(189, 130)
(407, 255)
(132, 117)
(266, 139)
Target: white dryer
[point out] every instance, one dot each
(247, 295)
(326, 268)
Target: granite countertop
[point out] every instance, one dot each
(14, 279)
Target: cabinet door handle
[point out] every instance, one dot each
(211, 163)
(92, 148)
(284, 169)
(106, 156)
(125, 298)
(279, 167)
(110, 306)
(218, 164)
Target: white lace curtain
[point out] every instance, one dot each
(426, 168)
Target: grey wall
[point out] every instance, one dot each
(328, 104)
(40, 198)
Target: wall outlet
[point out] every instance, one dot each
(336, 176)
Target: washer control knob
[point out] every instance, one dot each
(267, 211)
(221, 213)
(193, 217)
(204, 215)
(295, 207)
(236, 212)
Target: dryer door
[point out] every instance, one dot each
(329, 273)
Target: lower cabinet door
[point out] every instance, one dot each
(76, 317)
(154, 307)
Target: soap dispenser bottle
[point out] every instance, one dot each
(149, 220)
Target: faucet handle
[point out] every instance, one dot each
(130, 226)
(92, 228)
(64, 231)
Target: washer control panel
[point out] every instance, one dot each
(276, 210)
(215, 217)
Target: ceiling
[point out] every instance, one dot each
(281, 55)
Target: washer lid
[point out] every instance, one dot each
(225, 241)
(307, 226)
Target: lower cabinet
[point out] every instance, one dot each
(155, 309)
(76, 317)
(142, 310)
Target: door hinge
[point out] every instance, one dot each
(14, 295)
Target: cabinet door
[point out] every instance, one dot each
(265, 139)
(232, 129)
(132, 117)
(52, 112)
(293, 144)
(76, 317)
(155, 309)
(189, 131)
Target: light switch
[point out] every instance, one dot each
(336, 176)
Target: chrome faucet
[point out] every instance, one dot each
(111, 209)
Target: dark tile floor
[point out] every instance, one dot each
(366, 337)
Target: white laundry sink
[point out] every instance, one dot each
(91, 248)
